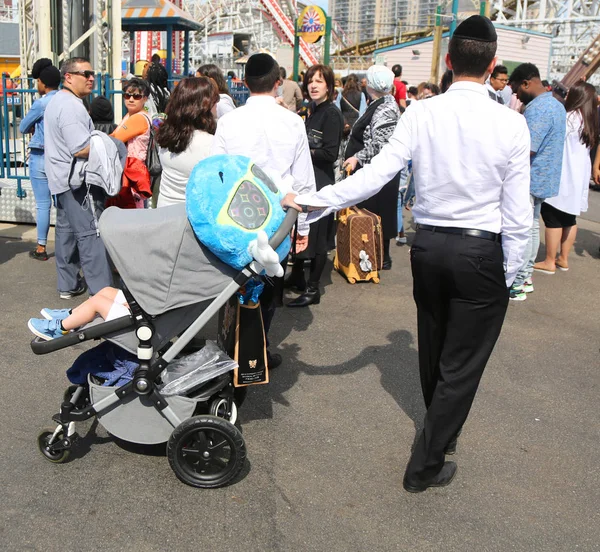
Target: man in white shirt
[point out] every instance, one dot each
(275, 139)
(473, 214)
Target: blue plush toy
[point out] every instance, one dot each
(228, 200)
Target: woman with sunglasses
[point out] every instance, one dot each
(134, 132)
(186, 135)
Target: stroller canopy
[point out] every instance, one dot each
(159, 258)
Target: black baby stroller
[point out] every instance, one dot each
(174, 286)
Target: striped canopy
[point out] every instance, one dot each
(155, 15)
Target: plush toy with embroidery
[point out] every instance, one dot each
(229, 201)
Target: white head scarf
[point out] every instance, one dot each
(380, 78)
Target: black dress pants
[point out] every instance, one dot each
(461, 297)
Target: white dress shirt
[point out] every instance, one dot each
(274, 138)
(572, 197)
(470, 161)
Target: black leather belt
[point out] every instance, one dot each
(483, 234)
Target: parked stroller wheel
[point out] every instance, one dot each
(206, 451)
(220, 408)
(44, 442)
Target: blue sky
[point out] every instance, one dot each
(322, 3)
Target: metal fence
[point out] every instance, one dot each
(16, 97)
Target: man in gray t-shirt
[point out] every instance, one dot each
(68, 129)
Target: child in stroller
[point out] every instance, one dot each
(173, 286)
(109, 303)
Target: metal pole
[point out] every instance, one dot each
(437, 46)
(454, 21)
(169, 65)
(186, 53)
(44, 30)
(296, 52)
(327, 40)
(115, 56)
(132, 52)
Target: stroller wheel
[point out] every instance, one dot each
(45, 440)
(219, 407)
(206, 451)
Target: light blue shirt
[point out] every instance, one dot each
(68, 129)
(547, 121)
(34, 121)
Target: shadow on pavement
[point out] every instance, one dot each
(587, 242)
(397, 362)
(9, 248)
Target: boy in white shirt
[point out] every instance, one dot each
(275, 139)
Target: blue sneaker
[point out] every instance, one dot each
(55, 314)
(46, 329)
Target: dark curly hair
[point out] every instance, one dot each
(189, 109)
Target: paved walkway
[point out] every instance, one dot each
(329, 437)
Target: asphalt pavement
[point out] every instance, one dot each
(328, 439)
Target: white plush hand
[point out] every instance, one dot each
(265, 255)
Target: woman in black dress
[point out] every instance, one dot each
(369, 134)
(324, 128)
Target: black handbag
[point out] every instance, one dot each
(152, 158)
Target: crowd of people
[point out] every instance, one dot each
(377, 142)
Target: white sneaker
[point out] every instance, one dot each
(401, 241)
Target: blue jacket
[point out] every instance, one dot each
(34, 120)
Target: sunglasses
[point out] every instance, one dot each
(134, 96)
(86, 74)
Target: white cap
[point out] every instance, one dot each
(380, 78)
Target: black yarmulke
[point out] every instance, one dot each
(478, 28)
(259, 65)
(40, 64)
(50, 76)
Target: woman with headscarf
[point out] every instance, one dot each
(369, 134)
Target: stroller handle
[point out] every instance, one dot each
(284, 229)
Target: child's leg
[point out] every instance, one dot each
(86, 312)
(107, 292)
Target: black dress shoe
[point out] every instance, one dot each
(312, 296)
(387, 264)
(443, 478)
(273, 360)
